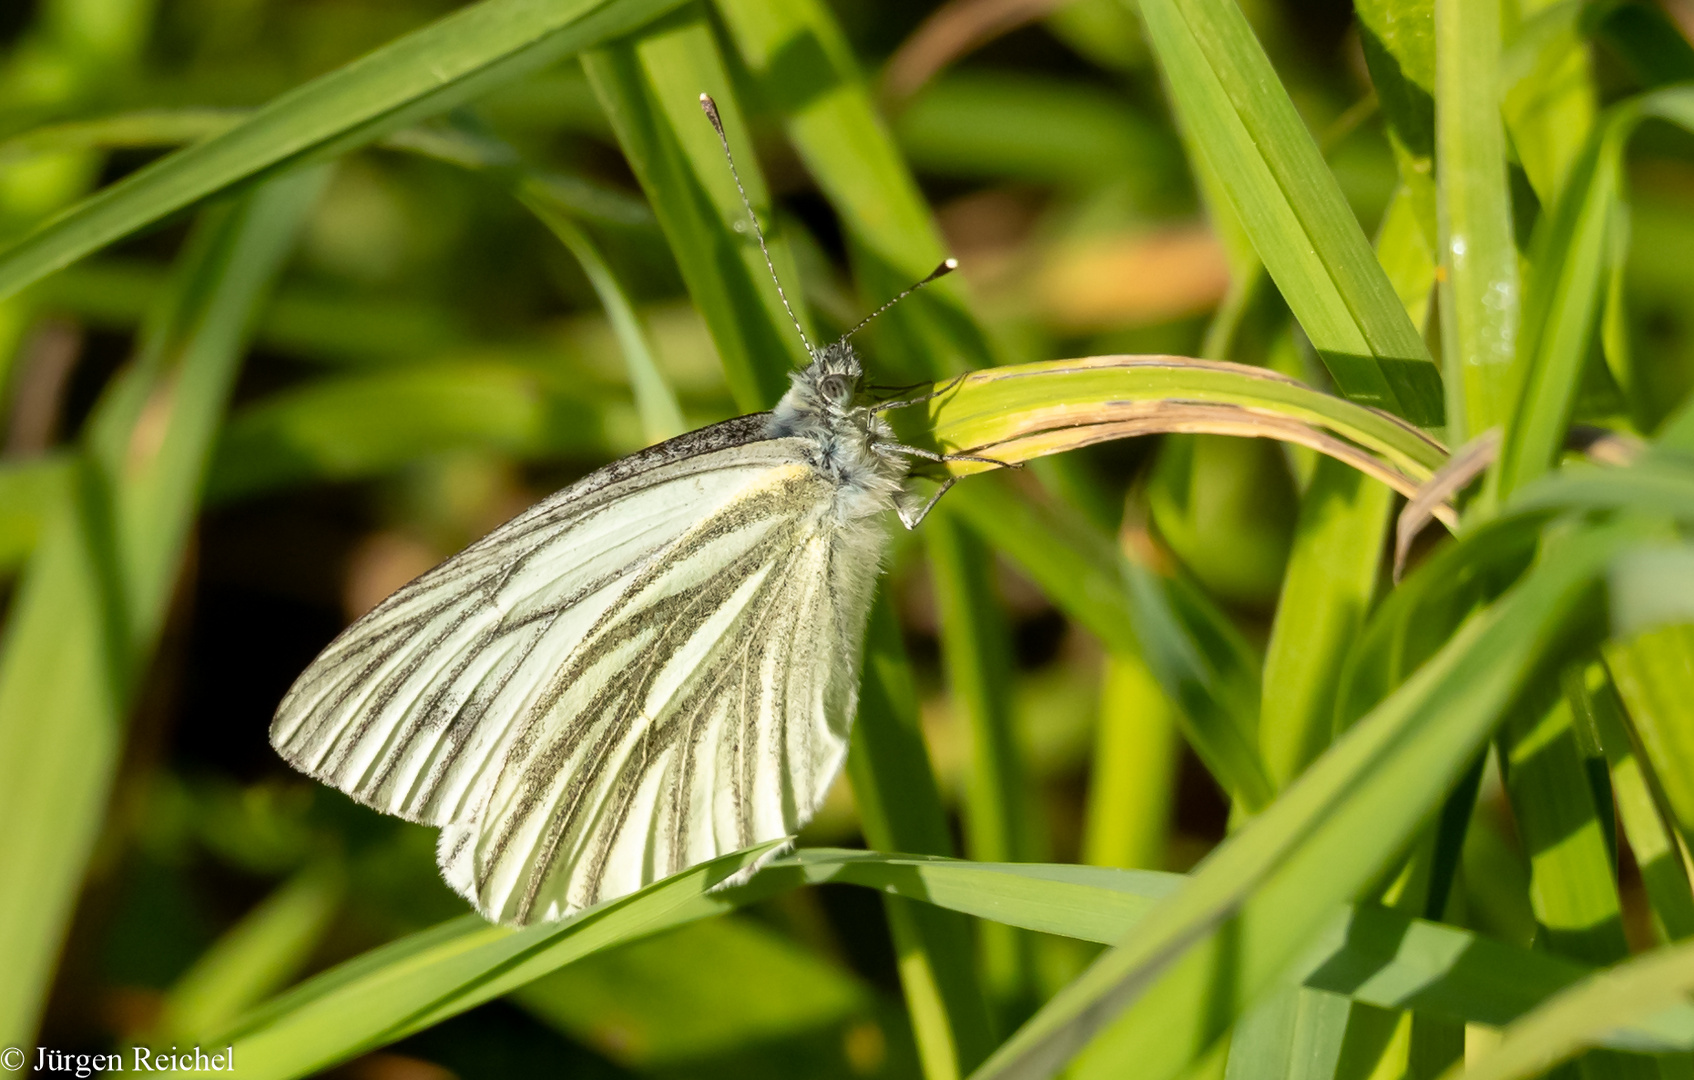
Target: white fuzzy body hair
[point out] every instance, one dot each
(821, 407)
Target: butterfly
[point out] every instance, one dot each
(653, 667)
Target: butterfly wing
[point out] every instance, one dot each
(651, 668)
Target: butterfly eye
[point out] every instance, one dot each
(836, 389)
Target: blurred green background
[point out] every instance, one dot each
(434, 359)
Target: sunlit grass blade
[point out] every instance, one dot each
(1372, 954)
(1652, 672)
(1478, 255)
(1566, 834)
(1273, 882)
(650, 87)
(422, 74)
(1236, 112)
(418, 981)
(1572, 256)
(1014, 413)
(1582, 1016)
(1327, 591)
(1652, 840)
(91, 604)
(803, 67)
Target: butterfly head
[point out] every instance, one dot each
(832, 378)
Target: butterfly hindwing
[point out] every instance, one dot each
(725, 727)
(634, 676)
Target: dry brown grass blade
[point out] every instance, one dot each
(1471, 461)
(952, 31)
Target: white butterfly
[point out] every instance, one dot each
(653, 667)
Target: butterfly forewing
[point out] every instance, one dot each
(651, 668)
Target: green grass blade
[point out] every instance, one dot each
(1024, 410)
(1567, 836)
(1574, 253)
(1326, 594)
(1549, 100)
(253, 959)
(1370, 953)
(758, 347)
(1561, 310)
(1235, 110)
(1407, 254)
(803, 67)
(1655, 488)
(1193, 651)
(996, 126)
(650, 88)
(352, 427)
(1398, 40)
(1257, 901)
(659, 1004)
(900, 809)
(655, 404)
(1132, 770)
(1296, 1034)
(1651, 838)
(422, 74)
(1639, 989)
(316, 325)
(418, 981)
(95, 594)
(1000, 810)
(1479, 287)
(1652, 671)
(28, 492)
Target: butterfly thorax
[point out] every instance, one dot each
(822, 407)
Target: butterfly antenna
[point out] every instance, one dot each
(711, 109)
(947, 267)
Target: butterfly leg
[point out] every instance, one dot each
(951, 383)
(931, 455)
(892, 391)
(910, 518)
